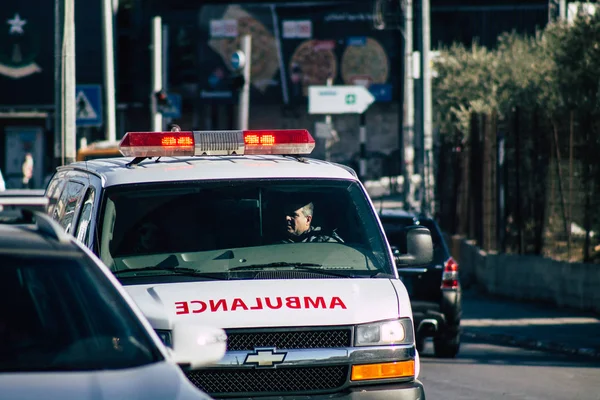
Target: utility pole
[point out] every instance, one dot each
(244, 100)
(64, 73)
(165, 66)
(334, 136)
(428, 175)
(417, 65)
(109, 70)
(362, 133)
(157, 84)
(409, 111)
(58, 34)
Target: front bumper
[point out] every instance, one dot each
(392, 391)
(304, 374)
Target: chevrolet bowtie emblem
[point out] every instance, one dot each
(265, 358)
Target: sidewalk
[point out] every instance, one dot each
(530, 325)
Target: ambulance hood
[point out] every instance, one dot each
(272, 303)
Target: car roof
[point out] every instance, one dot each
(27, 239)
(115, 171)
(33, 233)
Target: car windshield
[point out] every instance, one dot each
(237, 229)
(63, 314)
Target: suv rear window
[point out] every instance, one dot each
(214, 227)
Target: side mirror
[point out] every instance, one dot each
(419, 247)
(197, 345)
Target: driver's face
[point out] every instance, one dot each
(297, 223)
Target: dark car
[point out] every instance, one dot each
(434, 290)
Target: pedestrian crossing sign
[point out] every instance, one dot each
(88, 105)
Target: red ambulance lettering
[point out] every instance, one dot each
(214, 306)
(292, 302)
(316, 303)
(258, 305)
(201, 306)
(238, 303)
(336, 301)
(276, 306)
(181, 307)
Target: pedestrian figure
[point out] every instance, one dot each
(27, 169)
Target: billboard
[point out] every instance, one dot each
(295, 46)
(27, 40)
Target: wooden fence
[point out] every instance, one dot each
(520, 184)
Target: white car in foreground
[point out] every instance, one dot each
(68, 330)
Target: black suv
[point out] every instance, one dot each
(434, 290)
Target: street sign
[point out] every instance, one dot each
(340, 99)
(358, 41)
(88, 105)
(381, 91)
(173, 107)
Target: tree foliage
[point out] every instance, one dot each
(555, 71)
(553, 79)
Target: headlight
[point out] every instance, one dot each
(383, 333)
(165, 336)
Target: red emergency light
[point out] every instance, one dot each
(283, 141)
(200, 143)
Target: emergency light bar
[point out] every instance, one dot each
(217, 143)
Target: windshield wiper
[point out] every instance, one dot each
(310, 267)
(298, 265)
(175, 270)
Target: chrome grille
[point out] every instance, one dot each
(217, 381)
(289, 339)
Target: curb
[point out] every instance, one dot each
(533, 344)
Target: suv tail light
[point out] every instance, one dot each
(450, 275)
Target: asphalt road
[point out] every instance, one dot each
(483, 371)
(513, 350)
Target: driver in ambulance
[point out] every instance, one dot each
(298, 228)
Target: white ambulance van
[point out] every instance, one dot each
(239, 230)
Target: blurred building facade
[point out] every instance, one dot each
(295, 44)
(27, 80)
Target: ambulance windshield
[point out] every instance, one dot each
(238, 229)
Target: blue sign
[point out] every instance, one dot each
(356, 41)
(381, 91)
(88, 105)
(173, 108)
